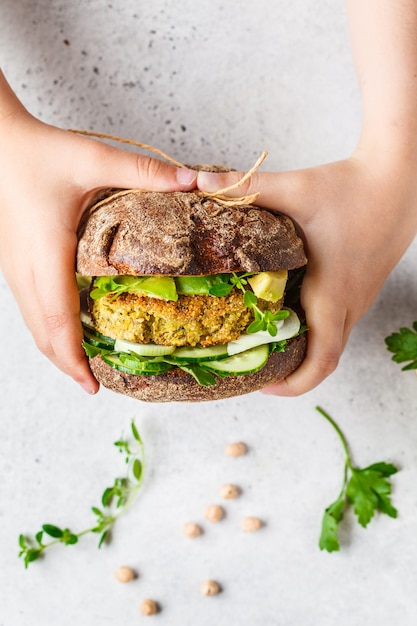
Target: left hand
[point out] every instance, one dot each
(357, 216)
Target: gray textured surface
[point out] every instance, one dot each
(206, 82)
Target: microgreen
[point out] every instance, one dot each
(367, 490)
(227, 282)
(278, 346)
(115, 500)
(404, 346)
(264, 320)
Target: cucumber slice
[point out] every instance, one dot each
(286, 329)
(143, 349)
(97, 340)
(137, 368)
(194, 355)
(86, 320)
(247, 362)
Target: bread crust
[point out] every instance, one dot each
(184, 233)
(179, 386)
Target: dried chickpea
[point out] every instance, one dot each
(214, 513)
(229, 492)
(191, 530)
(251, 524)
(210, 588)
(125, 574)
(236, 449)
(148, 607)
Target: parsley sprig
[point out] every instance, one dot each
(115, 501)
(404, 346)
(367, 490)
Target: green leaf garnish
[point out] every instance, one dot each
(278, 346)
(249, 299)
(255, 326)
(404, 346)
(91, 351)
(368, 490)
(116, 499)
(135, 432)
(137, 469)
(332, 517)
(220, 290)
(199, 373)
(52, 531)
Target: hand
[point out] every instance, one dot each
(357, 217)
(48, 176)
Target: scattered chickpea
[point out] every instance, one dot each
(251, 524)
(210, 588)
(124, 574)
(214, 513)
(236, 449)
(229, 492)
(148, 607)
(191, 530)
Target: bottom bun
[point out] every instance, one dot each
(179, 386)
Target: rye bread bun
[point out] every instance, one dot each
(185, 233)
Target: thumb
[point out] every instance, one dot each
(106, 166)
(279, 191)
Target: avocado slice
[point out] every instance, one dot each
(159, 287)
(197, 285)
(162, 287)
(269, 286)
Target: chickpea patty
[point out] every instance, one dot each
(201, 319)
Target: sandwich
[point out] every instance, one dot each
(189, 298)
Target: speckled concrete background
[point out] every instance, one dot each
(206, 82)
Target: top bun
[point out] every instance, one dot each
(184, 233)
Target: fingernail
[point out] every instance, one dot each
(208, 181)
(274, 389)
(277, 389)
(88, 388)
(186, 177)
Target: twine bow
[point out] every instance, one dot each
(219, 195)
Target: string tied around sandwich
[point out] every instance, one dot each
(218, 195)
